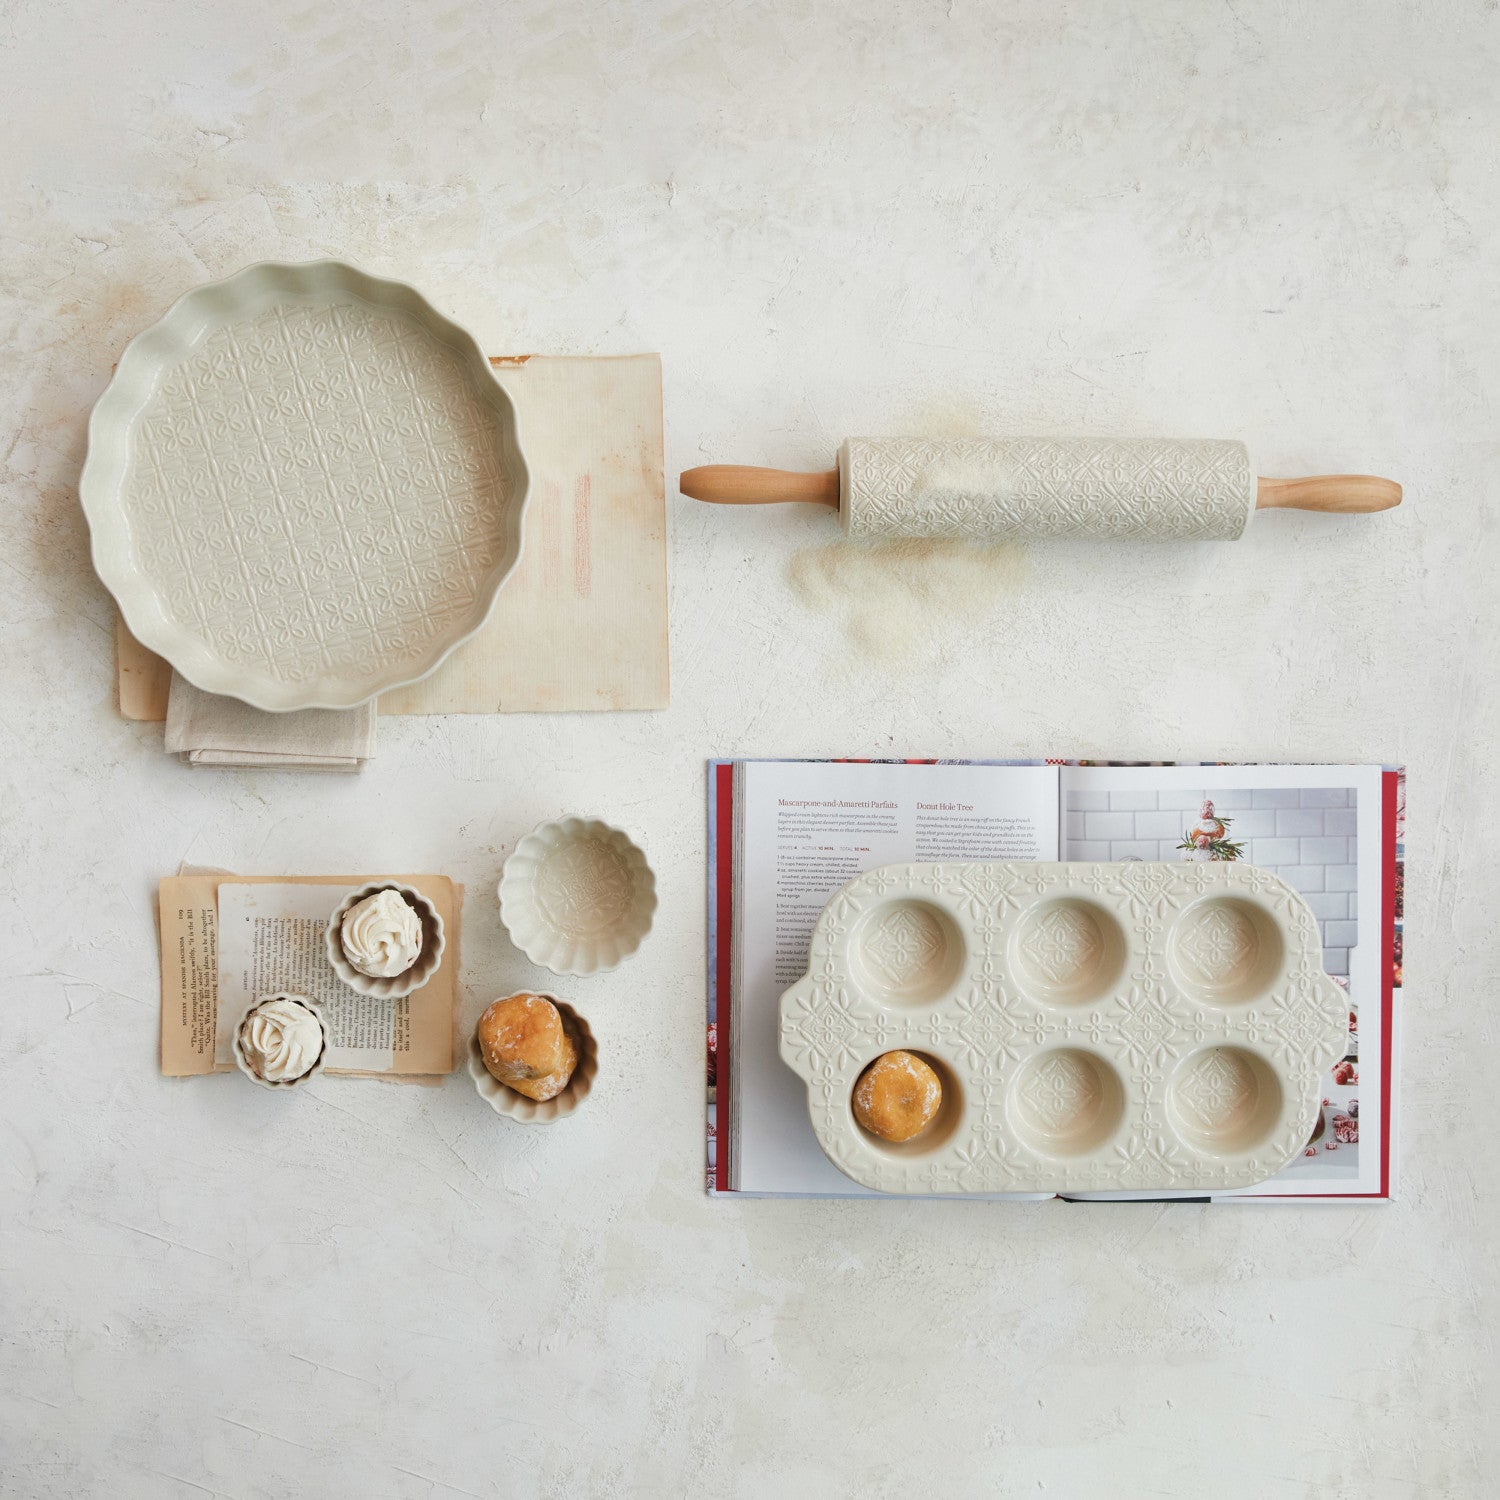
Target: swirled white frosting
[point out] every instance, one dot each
(382, 935)
(281, 1040)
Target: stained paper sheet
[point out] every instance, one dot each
(228, 940)
(271, 938)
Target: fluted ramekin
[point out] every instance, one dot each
(577, 896)
(408, 980)
(504, 1100)
(243, 1063)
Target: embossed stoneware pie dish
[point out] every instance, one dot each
(1094, 1027)
(506, 1101)
(386, 986)
(304, 486)
(577, 896)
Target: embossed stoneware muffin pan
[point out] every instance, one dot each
(1096, 1027)
(506, 1101)
(304, 486)
(393, 986)
(577, 896)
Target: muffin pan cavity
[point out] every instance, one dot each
(906, 952)
(1097, 1027)
(1066, 1102)
(1224, 951)
(940, 1130)
(1067, 951)
(1225, 1100)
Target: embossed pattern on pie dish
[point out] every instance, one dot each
(304, 486)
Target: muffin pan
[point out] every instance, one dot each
(1096, 1027)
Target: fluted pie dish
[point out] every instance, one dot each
(304, 486)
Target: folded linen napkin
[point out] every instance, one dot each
(208, 730)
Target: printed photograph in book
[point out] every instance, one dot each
(1306, 835)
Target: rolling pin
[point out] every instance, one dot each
(993, 489)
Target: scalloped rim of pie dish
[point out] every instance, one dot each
(113, 438)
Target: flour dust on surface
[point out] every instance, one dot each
(903, 603)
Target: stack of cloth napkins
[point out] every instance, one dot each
(208, 730)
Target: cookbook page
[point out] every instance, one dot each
(1322, 829)
(807, 828)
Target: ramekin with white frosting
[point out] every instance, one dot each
(281, 1040)
(385, 939)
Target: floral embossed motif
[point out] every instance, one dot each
(584, 886)
(1063, 943)
(1059, 1091)
(826, 1027)
(1217, 1089)
(1295, 1020)
(1148, 889)
(1219, 945)
(903, 944)
(983, 1030)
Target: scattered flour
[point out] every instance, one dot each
(900, 603)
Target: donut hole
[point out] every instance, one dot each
(938, 1131)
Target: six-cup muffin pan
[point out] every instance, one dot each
(1096, 1027)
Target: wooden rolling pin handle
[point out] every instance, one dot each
(1345, 494)
(739, 484)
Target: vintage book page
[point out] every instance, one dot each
(227, 939)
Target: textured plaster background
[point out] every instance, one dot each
(1271, 221)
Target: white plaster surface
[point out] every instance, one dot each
(1277, 222)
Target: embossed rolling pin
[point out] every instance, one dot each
(985, 489)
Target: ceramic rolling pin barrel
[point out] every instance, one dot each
(987, 489)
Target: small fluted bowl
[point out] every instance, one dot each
(410, 979)
(243, 1063)
(577, 896)
(504, 1100)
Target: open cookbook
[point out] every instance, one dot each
(785, 835)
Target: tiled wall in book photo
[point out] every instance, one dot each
(1306, 835)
